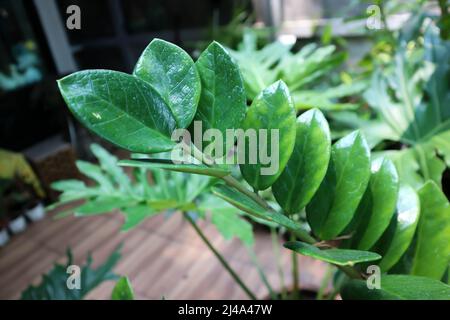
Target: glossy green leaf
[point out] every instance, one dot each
(432, 252)
(120, 108)
(222, 102)
(397, 287)
(382, 193)
(273, 111)
(340, 257)
(102, 205)
(169, 165)
(171, 71)
(334, 205)
(123, 290)
(399, 235)
(136, 214)
(307, 165)
(249, 206)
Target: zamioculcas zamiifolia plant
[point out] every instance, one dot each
(358, 216)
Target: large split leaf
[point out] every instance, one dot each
(120, 108)
(307, 165)
(171, 71)
(54, 284)
(399, 235)
(222, 102)
(249, 206)
(432, 252)
(397, 287)
(334, 205)
(340, 257)
(378, 205)
(266, 156)
(134, 215)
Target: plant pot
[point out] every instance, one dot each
(4, 237)
(17, 224)
(36, 213)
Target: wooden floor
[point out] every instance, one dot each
(163, 257)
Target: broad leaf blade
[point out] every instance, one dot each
(307, 165)
(222, 102)
(101, 205)
(399, 235)
(383, 192)
(246, 204)
(333, 206)
(397, 287)
(272, 111)
(169, 165)
(340, 257)
(432, 252)
(120, 108)
(171, 71)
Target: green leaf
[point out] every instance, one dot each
(397, 287)
(432, 253)
(222, 102)
(54, 284)
(169, 165)
(273, 111)
(123, 290)
(307, 165)
(137, 214)
(333, 206)
(95, 173)
(399, 235)
(120, 108)
(340, 257)
(230, 224)
(246, 204)
(382, 194)
(171, 71)
(108, 163)
(100, 205)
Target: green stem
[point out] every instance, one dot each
(276, 250)
(295, 275)
(324, 284)
(261, 272)
(220, 258)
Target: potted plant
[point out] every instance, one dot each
(340, 203)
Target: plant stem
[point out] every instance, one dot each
(222, 260)
(276, 250)
(295, 275)
(261, 273)
(324, 282)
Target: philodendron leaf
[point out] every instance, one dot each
(272, 112)
(397, 287)
(432, 253)
(123, 290)
(382, 193)
(222, 102)
(333, 206)
(120, 108)
(399, 235)
(340, 257)
(249, 206)
(169, 165)
(136, 214)
(307, 165)
(101, 205)
(171, 71)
